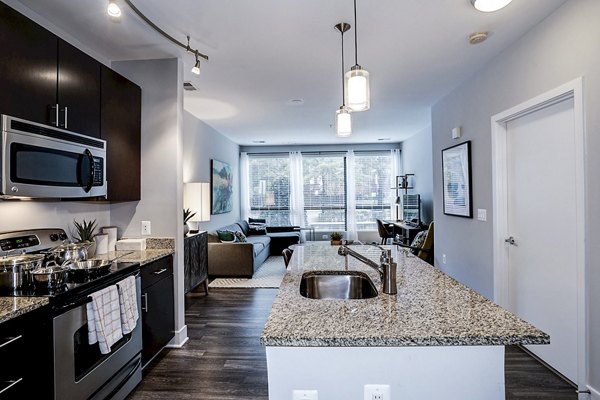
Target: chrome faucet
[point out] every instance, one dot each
(387, 268)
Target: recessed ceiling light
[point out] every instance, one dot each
(259, 141)
(477, 37)
(295, 102)
(383, 139)
(489, 5)
(113, 9)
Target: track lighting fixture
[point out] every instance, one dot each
(113, 9)
(358, 96)
(343, 119)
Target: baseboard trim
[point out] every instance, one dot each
(179, 339)
(595, 393)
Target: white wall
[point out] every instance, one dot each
(559, 49)
(201, 144)
(416, 159)
(161, 198)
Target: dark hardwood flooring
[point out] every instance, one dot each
(224, 360)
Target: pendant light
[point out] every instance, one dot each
(343, 119)
(489, 5)
(358, 97)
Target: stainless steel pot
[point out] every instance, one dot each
(88, 268)
(15, 271)
(50, 277)
(70, 252)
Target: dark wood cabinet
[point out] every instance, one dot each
(23, 339)
(78, 91)
(195, 261)
(45, 79)
(158, 309)
(28, 71)
(121, 128)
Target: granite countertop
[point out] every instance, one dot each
(142, 256)
(12, 307)
(430, 309)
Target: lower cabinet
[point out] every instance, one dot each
(25, 357)
(158, 310)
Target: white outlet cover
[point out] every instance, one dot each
(377, 392)
(305, 395)
(482, 214)
(146, 228)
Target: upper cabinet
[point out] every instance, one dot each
(45, 79)
(121, 127)
(28, 71)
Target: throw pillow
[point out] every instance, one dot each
(226, 236)
(240, 237)
(418, 242)
(257, 221)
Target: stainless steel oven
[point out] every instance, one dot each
(80, 370)
(39, 161)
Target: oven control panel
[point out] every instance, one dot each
(31, 240)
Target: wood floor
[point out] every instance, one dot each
(224, 360)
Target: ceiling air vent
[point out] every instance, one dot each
(189, 86)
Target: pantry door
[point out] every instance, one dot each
(543, 231)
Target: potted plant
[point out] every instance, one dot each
(336, 238)
(85, 234)
(187, 215)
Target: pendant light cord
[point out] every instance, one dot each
(355, 36)
(343, 89)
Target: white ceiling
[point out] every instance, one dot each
(265, 52)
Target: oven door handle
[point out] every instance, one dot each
(74, 304)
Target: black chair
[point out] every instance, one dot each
(287, 256)
(422, 245)
(385, 232)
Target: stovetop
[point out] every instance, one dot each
(39, 240)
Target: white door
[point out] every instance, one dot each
(542, 218)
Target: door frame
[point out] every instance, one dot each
(574, 90)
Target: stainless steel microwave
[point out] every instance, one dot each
(40, 161)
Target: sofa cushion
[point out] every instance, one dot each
(240, 237)
(244, 225)
(258, 243)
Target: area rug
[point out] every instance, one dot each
(268, 275)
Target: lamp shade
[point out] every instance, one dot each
(196, 197)
(343, 122)
(358, 97)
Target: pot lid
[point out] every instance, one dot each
(7, 261)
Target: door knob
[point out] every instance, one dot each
(511, 241)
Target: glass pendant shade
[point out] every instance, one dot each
(490, 5)
(343, 122)
(358, 96)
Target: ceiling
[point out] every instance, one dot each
(264, 53)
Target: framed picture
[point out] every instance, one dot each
(221, 187)
(456, 177)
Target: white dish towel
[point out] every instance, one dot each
(128, 304)
(104, 318)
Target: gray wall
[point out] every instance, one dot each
(561, 48)
(201, 144)
(416, 159)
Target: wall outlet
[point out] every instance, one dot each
(443, 259)
(305, 395)
(482, 214)
(146, 228)
(377, 392)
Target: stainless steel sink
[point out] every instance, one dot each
(340, 285)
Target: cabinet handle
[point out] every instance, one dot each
(160, 271)
(66, 117)
(13, 383)
(56, 109)
(145, 302)
(9, 341)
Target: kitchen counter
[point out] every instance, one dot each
(143, 257)
(430, 309)
(434, 330)
(12, 307)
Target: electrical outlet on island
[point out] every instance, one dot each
(146, 228)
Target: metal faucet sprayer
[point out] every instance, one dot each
(387, 268)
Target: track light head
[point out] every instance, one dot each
(196, 68)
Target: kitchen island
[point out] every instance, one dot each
(435, 339)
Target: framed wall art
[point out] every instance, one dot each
(456, 177)
(221, 187)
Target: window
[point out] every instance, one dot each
(325, 191)
(373, 188)
(269, 188)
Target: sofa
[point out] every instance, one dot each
(242, 259)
